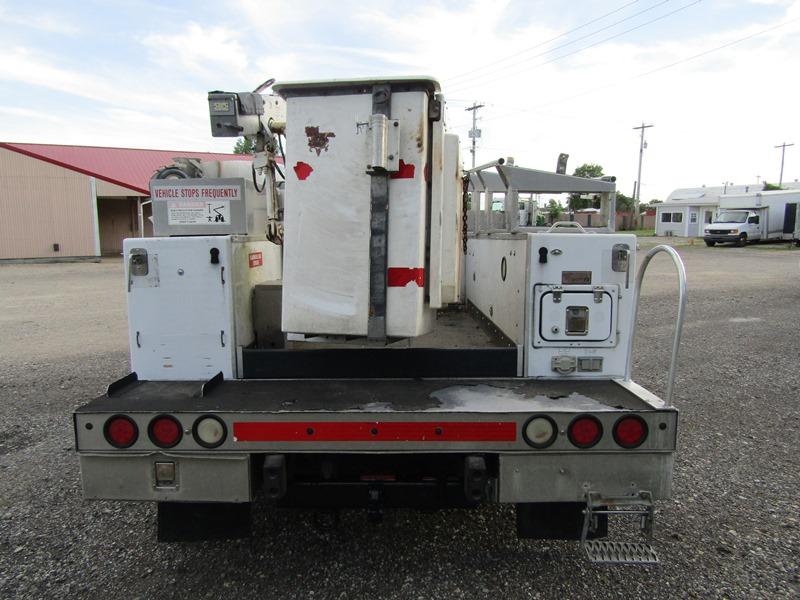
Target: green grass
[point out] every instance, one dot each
(775, 246)
(640, 232)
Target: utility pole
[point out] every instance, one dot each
(642, 146)
(783, 147)
(474, 133)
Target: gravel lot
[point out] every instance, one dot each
(731, 530)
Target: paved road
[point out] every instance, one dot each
(731, 530)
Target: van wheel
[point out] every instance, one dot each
(710, 243)
(742, 240)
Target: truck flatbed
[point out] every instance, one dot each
(463, 395)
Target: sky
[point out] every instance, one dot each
(717, 79)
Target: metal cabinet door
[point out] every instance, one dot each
(180, 315)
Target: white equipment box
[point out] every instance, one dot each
(565, 299)
(190, 302)
(335, 145)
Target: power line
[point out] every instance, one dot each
(553, 39)
(462, 87)
(646, 73)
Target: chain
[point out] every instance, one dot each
(464, 197)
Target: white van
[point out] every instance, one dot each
(754, 217)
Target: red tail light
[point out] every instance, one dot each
(121, 431)
(585, 431)
(630, 432)
(165, 431)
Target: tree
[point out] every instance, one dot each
(770, 187)
(589, 170)
(554, 210)
(624, 203)
(585, 170)
(244, 146)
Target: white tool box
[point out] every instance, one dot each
(190, 302)
(565, 299)
(335, 144)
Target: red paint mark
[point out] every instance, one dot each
(376, 431)
(255, 259)
(303, 170)
(405, 171)
(402, 276)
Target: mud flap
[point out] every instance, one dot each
(200, 521)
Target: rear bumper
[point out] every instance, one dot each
(198, 478)
(324, 442)
(510, 478)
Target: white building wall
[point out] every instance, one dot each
(672, 227)
(43, 204)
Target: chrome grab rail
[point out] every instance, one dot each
(673, 363)
(569, 225)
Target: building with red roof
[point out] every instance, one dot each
(76, 201)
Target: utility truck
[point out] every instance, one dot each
(339, 333)
(754, 217)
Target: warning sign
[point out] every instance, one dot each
(255, 259)
(198, 213)
(198, 204)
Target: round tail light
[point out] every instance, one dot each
(630, 432)
(209, 431)
(121, 431)
(165, 431)
(585, 431)
(540, 431)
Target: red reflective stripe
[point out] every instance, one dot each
(378, 431)
(402, 276)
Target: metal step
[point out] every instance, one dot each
(637, 506)
(619, 553)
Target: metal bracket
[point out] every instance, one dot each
(557, 293)
(209, 385)
(435, 108)
(379, 228)
(385, 140)
(598, 291)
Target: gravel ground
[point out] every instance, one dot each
(731, 530)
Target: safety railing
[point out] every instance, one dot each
(673, 363)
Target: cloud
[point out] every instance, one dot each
(198, 49)
(716, 118)
(40, 21)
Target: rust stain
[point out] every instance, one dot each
(318, 140)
